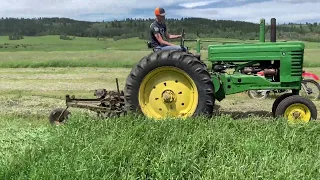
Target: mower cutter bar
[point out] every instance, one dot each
(106, 102)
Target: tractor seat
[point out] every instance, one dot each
(149, 45)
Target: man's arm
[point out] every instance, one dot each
(161, 41)
(156, 32)
(170, 36)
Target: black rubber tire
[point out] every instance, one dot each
(54, 116)
(296, 99)
(277, 101)
(186, 62)
(312, 82)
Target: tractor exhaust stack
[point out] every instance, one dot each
(273, 37)
(262, 30)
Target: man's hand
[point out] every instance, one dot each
(170, 36)
(174, 36)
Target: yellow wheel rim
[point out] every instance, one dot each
(297, 113)
(168, 92)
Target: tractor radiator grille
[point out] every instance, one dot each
(296, 63)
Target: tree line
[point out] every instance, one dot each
(127, 28)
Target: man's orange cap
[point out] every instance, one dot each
(159, 11)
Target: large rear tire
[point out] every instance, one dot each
(170, 84)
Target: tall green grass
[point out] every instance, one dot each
(136, 148)
(17, 134)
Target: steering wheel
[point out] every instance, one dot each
(182, 39)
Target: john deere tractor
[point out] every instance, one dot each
(179, 84)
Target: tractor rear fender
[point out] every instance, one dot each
(309, 74)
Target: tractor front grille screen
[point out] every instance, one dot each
(296, 63)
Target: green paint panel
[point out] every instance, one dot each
(236, 83)
(244, 52)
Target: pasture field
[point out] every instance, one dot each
(240, 141)
(50, 51)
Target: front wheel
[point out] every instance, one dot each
(170, 84)
(278, 100)
(296, 108)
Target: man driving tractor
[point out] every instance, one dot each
(158, 29)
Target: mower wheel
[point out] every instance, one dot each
(278, 100)
(307, 91)
(258, 94)
(170, 84)
(296, 108)
(59, 116)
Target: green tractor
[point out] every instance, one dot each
(179, 84)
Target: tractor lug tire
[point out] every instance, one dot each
(187, 64)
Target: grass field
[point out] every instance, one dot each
(50, 51)
(241, 142)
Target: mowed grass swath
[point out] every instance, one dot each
(35, 59)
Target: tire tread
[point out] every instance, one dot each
(182, 60)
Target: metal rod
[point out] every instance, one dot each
(118, 87)
(198, 46)
(262, 30)
(62, 113)
(273, 32)
(191, 40)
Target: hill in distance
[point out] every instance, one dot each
(128, 28)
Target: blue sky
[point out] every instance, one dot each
(97, 10)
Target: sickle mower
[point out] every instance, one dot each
(178, 84)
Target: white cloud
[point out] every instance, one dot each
(282, 11)
(74, 8)
(297, 1)
(197, 4)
